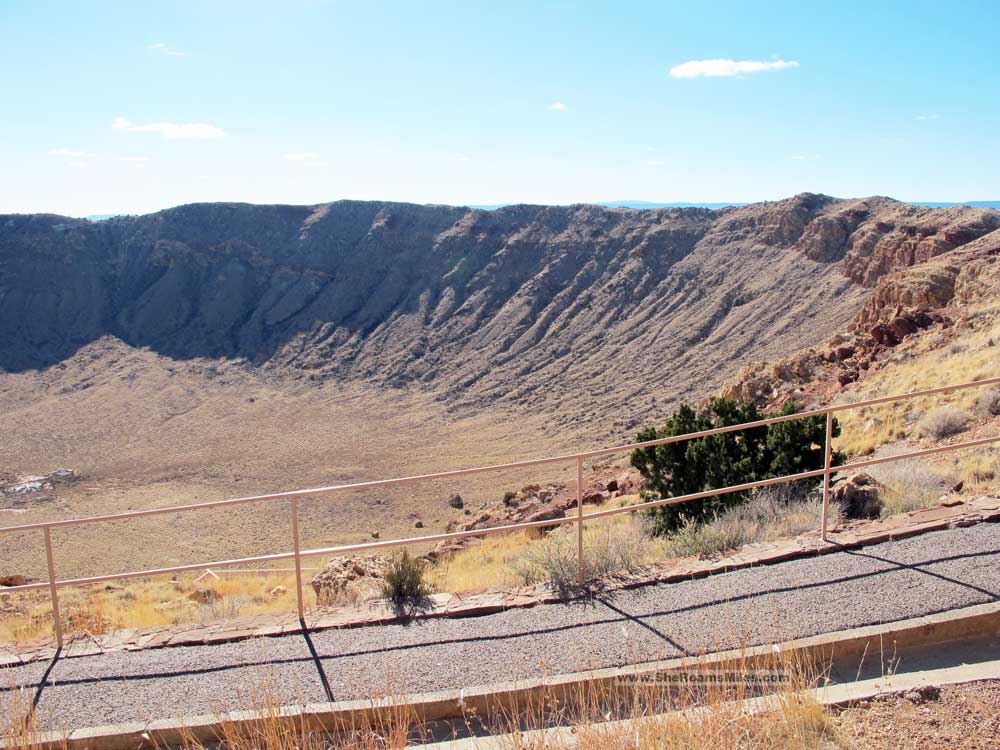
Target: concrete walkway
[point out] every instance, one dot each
(896, 580)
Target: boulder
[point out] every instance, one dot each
(456, 502)
(204, 596)
(903, 327)
(858, 496)
(546, 514)
(13, 580)
(348, 577)
(843, 352)
(883, 335)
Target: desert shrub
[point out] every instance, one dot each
(717, 461)
(224, 608)
(943, 422)
(608, 547)
(510, 498)
(404, 578)
(909, 485)
(988, 403)
(698, 539)
(773, 512)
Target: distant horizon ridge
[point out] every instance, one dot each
(637, 204)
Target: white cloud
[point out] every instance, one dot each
(134, 159)
(76, 163)
(727, 68)
(170, 130)
(927, 117)
(165, 50)
(71, 153)
(557, 107)
(655, 163)
(307, 159)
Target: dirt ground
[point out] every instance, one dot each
(145, 431)
(961, 717)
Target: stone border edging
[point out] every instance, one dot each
(481, 602)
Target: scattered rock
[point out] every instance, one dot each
(376, 534)
(204, 596)
(28, 485)
(418, 525)
(546, 514)
(278, 591)
(923, 694)
(351, 577)
(858, 496)
(456, 502)
(13, 580)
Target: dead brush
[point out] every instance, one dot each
(390, 724)
(750, 702)
(19, 725)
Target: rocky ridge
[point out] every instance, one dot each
(948, 293)
(574, 309)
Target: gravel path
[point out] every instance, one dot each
(892, 581)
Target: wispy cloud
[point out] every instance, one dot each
(71, 153)
(728, 68)
(557, 107)
(655, 162)
(927, 117)
(307, 159)
(805, 157)
(163, 49)
(76, 163)
(134, 159)
(170, 130)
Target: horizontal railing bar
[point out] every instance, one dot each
(639, 506)
(791, 477)
(495, 467)
(784, 418)
(153, 572)
(381, 544)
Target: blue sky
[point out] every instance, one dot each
(132, 107)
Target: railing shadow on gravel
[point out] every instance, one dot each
(317, 656)
(917, 567)
(317, 662)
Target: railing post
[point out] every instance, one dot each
(298, 560)
(53, 591)
(828, 452)
(579, 520)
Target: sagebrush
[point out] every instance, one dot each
(404, 578)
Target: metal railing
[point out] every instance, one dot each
(297, 553)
